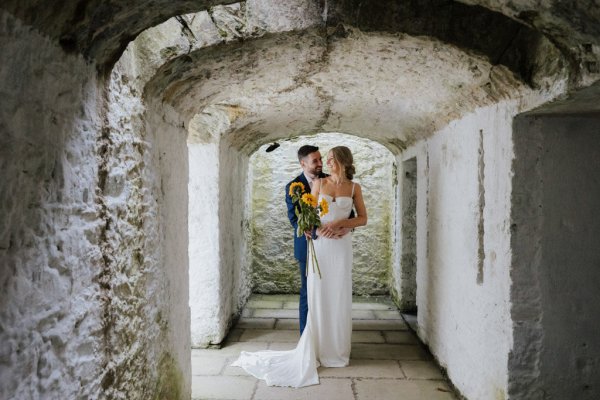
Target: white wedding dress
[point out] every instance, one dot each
(326, 339)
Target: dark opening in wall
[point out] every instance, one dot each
(408, 263)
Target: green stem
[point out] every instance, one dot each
(315, 262)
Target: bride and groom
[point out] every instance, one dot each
(326, 301)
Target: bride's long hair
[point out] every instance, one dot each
(343, 156)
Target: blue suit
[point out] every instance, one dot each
(300, 247)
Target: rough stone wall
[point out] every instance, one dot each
(166, 169)
(407, 297)
(555, 276)
(86, 304)
(274, 268)
(51, 305)
(463, 247)
(466, 320)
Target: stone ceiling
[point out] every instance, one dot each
(393, 88)
(102, 29)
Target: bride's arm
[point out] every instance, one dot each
(316, 188)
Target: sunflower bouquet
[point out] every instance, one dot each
(309, 215)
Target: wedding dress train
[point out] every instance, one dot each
(326, 339)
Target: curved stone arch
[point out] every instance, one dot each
(369, 84)
(102, 31)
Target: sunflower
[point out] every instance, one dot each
(324, 207)
(293, 187)
(309, 199)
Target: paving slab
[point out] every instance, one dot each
(378, 325)
(363, 314)
(222, 387)
(272, 313)
(388, 352)
(400, 337)
(256, 323)
(275, 297)
(372, 306)
(270, 335)
(393, 389)
(367, 337)
(228, 370)
(247, 312)
(411, 320)
(233, 335)
(328, 389)
(292, 324)
(421, 370)
(230, 350)
(291, 305)
(391, 314)
(278, 346)
(264, 304)
(365, 369)
(208, 365)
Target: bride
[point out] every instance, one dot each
(326, 340)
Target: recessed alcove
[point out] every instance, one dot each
(274, 269)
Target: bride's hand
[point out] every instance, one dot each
(327, 230)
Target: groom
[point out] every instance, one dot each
(312, 167)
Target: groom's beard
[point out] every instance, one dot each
(316, 171)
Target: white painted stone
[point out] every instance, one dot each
(466, 323)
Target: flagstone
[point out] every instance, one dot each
(222, 387)
(394, 389)
(330, 389)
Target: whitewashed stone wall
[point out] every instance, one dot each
(463, 246)
(274, 268)
(218, 228)
(88, 307)
(51, 309)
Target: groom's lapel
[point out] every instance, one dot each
(302, 179)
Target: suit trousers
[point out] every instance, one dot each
(303, 308)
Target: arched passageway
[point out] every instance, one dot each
(94, 171)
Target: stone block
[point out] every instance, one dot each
(269, 335)
(421, 370)
(378, 325)
(400, 337)
(230, 350)
(388, 352)
(264, 304)
(367, 337)
(292, 324)
(256, 323)
(363, 314)
(266, 313)
(393, 314)
(279, 346)
(330, 389)
(388, 389)
(208, 364)
(365, 369)
(373, 306)
(291, 305)
(222, 387)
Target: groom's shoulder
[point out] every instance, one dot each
(296, 179)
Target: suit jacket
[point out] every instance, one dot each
(300, 245)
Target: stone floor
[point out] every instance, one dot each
(387, 360)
